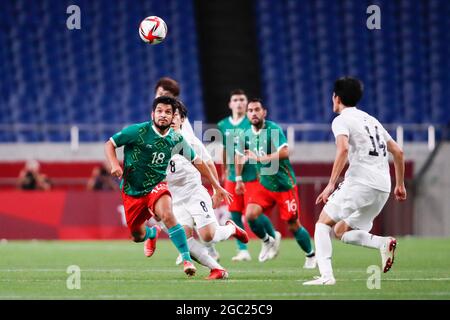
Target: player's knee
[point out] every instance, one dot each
(251, 215)
(207, 237)
(339, 234)
(168, 219)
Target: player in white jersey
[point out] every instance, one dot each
(192, 204)
(353, 206)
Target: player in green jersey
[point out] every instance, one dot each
(148, 148)
(266, 145)
(231, 127)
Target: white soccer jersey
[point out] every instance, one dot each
(368, 156)
(182, 176)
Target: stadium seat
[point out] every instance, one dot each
(56, 76)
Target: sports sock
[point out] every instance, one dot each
(178, 237)
(304, 241)
(211, 249)
(200, 252)
(150, 233)
(268, 226)
(223, 232)
(363, 238)
(237, 218)
(258, 228)
(324, 249)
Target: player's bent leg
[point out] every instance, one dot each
(200, 253)
(243, 253)
(237, 219)
(163, 209)
(268, 226)
(151, 236)
(322, 239)
(304, 241)
(189, 234)
(252, 213)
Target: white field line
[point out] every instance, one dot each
(224, 282)
(242, 296)
(175, 269)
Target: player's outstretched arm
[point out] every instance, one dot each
(110, 152)
(399, 165)
(339, 164)
(219, 192)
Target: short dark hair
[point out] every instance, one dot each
(182, 110)
(165, 100)
(349, 89)
(168, 84)
(237, 92)
(256, 100)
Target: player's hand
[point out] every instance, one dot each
(250, 155)
(116, 171)
(400, 193)
(219, 195)
(240, 188)
(323, 197)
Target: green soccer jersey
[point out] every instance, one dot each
(230, 134)
(146, 156)
(275, 175)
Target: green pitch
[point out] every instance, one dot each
(119, 270)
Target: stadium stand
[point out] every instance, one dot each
(404, 65)
(100, 74)
(101, 77)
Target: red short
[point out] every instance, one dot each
(239, 202)
(287, 201)
(139, 209)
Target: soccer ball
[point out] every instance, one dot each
(153, 30)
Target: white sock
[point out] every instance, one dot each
(211, 249)
(199, 252)
(363, 238)
(223, 233)
(322, 241)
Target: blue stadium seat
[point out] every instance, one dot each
(56, 76)
(404, 66)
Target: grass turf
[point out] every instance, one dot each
(119, 270)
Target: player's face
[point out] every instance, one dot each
(162, 116)
(160, 91)
(176, 121)
(256, 113)
(237, 103)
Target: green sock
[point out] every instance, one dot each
(150, 233)
(304, 240)
(237, 218)
(178, 237)
(258, 228)
(268, 226)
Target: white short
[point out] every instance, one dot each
(358, 205)
(196, 210)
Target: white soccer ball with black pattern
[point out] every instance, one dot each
(153, 30)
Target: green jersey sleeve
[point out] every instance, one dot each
(128, 135)
(278, 138)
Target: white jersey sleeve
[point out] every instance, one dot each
(386, 135)
(200, 149)
(339, 126)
